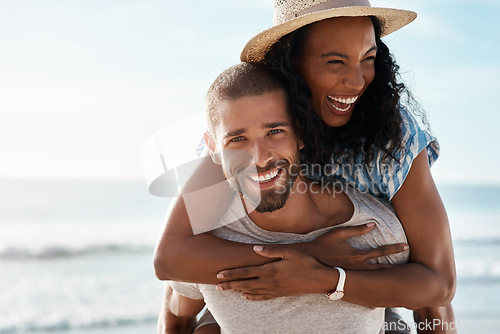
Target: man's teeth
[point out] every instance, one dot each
(265, 178)
(345, 101)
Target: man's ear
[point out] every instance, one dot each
(301, 144)
(212, 147)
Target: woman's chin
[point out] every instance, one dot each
(336, 121)
(335, 118)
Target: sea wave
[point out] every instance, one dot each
(49, 250)
(477, 241)
(478, 269)
(65, 251)
(479, 280)
(67, 324)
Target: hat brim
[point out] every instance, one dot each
(390, 19)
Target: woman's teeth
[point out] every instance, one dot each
(345, 101)
(348, 102)
(339, 109)
(265, 178)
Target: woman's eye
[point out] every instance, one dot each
(371, 58)
(336, 61)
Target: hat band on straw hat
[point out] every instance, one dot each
(329, 5)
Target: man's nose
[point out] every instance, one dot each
(261, 153)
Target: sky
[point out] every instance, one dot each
(84, 83)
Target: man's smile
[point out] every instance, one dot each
(266, 179)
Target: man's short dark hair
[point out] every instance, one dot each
(239, 81)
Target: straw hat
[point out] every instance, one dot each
(290, 15)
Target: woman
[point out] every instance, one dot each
(348, 104)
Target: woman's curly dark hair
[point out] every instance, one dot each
(376, 122)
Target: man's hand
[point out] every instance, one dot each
(178, 313)
(296, 273)
(333, 250)
(169, 323)
(177, 325)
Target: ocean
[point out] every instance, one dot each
(76, 257)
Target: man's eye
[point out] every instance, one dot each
(236, 139)
(275, 131)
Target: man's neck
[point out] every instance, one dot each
(307, 209)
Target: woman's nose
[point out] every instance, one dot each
(354, 78)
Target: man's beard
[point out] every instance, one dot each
(267, 200)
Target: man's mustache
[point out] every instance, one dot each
(252, 168)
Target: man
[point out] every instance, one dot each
(288, 209)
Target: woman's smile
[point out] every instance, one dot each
(341, 105)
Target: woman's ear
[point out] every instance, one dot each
(212, 147)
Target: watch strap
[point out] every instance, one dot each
(340, 284)
(338, 293)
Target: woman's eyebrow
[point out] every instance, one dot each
(341, 55)
(373, 48)
(335, 54)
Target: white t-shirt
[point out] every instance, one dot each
(310, 313)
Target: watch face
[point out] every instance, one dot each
(336, 295)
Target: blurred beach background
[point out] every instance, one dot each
(83, 84)
(76, 257)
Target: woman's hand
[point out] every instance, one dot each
(333, 250)
(306, 268)
(295, 273)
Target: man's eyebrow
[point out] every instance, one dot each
(275, 125)
(234, 133)
(341, 55)
(272, 125)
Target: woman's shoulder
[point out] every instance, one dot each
(384, 174)
(415, 138)
(411, 126)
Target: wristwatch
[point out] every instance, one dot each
(339, 291)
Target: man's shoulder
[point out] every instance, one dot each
(369, 204)
(332, 202)
(328, 198)
(234, 212)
